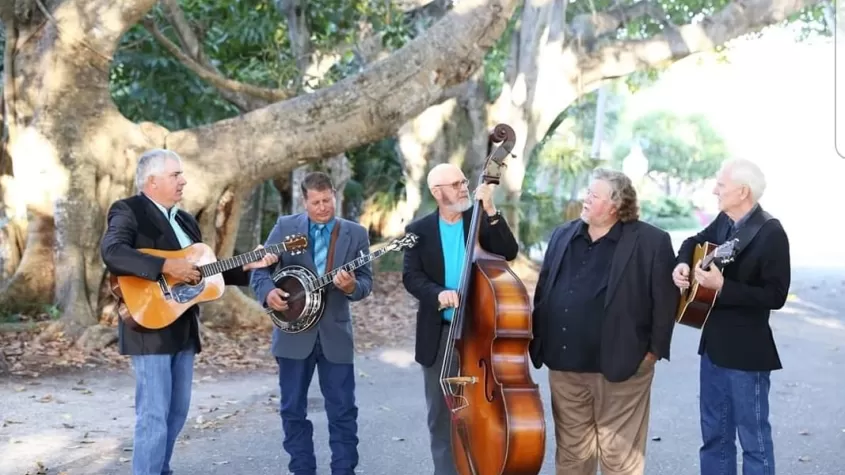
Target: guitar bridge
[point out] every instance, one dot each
(165, 289)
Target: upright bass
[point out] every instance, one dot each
(498, 425)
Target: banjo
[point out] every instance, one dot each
(307, 291)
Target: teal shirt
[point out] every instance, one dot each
(454, 251)
(170, 216)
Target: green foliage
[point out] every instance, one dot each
(668, 213)
(687, 148)
(378, 176)
(539, 212)
(496, 59)
(247, 42)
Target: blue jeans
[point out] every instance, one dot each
(162, 399)
(337, 383)
(734, 401)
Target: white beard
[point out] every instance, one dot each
(460, 206)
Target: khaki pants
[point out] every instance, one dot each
(599, 421)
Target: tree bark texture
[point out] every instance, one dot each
(552, 64)
(73, 153)
(454, 131)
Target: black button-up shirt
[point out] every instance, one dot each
(576, 302)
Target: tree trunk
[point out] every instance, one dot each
(69, 147)
(454, 131)
(74, 154)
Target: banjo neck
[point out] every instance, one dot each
(365, 259)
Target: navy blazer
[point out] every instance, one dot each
(335, 327)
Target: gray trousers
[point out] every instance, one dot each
(439, 420)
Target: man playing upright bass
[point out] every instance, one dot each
(432, 272)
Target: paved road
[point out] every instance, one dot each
(807, 405)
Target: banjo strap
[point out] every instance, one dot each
(332, 241)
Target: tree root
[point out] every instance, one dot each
(234, 310)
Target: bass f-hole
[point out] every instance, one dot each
(489, 390)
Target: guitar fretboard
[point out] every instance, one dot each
(240, 260)
(350, 266)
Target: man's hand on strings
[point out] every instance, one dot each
(182, 270)
(484, 193)
(277, 300)
(448, 299)
(345, 281)
(268, 260)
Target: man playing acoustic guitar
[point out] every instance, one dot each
(737, 348)
(163, 359)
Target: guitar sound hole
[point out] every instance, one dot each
(183, 293)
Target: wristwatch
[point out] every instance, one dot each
(494, 218)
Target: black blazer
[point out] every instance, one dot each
(641, 298)
(135, 223)
(423, 272)
(737, 334)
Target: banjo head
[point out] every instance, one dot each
(297, 300)
(305, 304)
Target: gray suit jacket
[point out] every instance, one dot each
(335, 327)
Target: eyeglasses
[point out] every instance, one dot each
(456, 185)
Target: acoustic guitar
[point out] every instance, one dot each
(697, 301)
(155, 304)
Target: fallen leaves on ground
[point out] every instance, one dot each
(386, 317)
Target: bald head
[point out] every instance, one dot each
(443, 174)
(448, 186)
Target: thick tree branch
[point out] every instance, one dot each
(215, 79)
(96, 24)
(357, 110)
(587, 27)
(193, 48)
(734, 20)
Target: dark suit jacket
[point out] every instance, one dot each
(135, 223)
(737, 334)
(641, 298)
(423, 272)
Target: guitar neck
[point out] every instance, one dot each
(218, 267)
(327, 278)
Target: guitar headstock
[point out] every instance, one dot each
(726, 252)
(495, 163)
(295, 244)
(407, 241)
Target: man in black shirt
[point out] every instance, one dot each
(604, 311)
(737, 347)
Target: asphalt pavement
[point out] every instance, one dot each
(235, 427)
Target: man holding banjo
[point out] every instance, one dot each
(313, 324)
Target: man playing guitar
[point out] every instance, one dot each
(737, 348)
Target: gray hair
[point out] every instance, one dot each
(745, 172)
(622, 194)
(152, 162)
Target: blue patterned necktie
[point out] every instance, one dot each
(320, 248)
